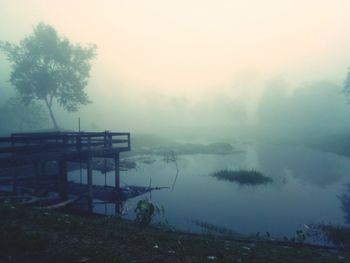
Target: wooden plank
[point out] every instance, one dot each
(119, 133)
(89, 180)
(33, 148)
(120, 141)
(30, 147)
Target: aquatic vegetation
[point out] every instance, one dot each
(243, 177)
(147, 161)
(192, 148)
(337, 234)
(299, 237)
(144, 159)
(345, 202)
(154, 145)
(209, 228)
(165, 226)
(169, 157)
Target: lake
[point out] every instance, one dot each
(305, 189)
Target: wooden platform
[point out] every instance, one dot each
(22, 148)
(37, 149)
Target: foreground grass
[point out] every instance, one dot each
(243, 177)
(30, 235)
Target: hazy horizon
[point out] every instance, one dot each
(198, 66)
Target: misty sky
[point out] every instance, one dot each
(191, 56)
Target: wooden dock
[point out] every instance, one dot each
(37, 149)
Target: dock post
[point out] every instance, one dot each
(89, 180)
(15, 179)
(63, 179)
(37, 174)
(13, 168)
(116, 170)
(118, 208)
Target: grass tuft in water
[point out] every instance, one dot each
(243, 177)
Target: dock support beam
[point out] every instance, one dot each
(118, 209)
(37, 174)
(15, 179)
(116, 170)
(89, 181)
(117, 182)
(63, 179)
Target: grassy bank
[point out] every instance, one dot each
(31, 235)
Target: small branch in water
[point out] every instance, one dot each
(177, 170)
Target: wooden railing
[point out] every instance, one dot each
(63, 141)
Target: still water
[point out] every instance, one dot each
(305, 189)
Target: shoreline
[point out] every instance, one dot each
(37, 235)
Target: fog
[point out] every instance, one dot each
(220, 117)
(201, 69)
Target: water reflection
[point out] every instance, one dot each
(318, 168)
(304, 190)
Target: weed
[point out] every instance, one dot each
(145, 211)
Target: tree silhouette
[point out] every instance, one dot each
(49, 68)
